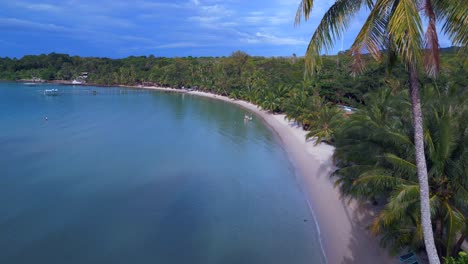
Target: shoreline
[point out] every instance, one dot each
(341, 226)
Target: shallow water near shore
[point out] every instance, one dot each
(140, 176)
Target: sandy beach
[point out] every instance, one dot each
(342, 224)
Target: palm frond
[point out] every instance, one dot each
(352, 170)
(401, 164)
(331, 27)
(428, 142)
(436, 205)
(304, 9)
(446, 136)
(320, 135)
(372, 36)
(455, 223)
(461, 197)
(405, 27)
(454, 14)
(403, 198)
(379, 182)
(399, 223)
(431, 42)
(399, 138)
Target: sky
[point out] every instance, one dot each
(121, 28)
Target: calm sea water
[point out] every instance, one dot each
(136, 176)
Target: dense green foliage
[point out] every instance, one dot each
(461, 259)
(403, 30)
(376, 160)
(257, 79)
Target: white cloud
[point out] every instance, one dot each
(129, 38)
(208, 20)
(256, 13)
(14, 22)
(254, 19)
(264, 38)
(178, 45)
(268, 19)
(146, 5)
(172, 45)
(217, 10)
(105, 21)
(213, 16)
(37, 6)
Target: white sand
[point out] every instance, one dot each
(342, 225)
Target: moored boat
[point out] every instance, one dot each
(51, 92)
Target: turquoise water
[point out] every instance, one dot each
(137, 176)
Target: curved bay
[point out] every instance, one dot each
(144, 177)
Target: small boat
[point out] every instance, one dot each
(51, 92)
(247, 118)
(77, 82)
(30, 83)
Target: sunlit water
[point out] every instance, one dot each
(137, 176)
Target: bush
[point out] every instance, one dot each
(462, 259)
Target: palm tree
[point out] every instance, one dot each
(378, 162)
(366, 135)
(396, 27)
(322, 120)
(295, 104)
(271, 102)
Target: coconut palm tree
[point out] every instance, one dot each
(378, 162)
(295, 104)
(366, 135)
(395, 26)
(271, 102)
(323, 122)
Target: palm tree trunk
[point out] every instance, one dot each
(421, 166)
(439, 234)
(458, 245)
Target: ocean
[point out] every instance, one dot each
(138, 176)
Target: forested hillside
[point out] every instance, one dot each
(238, 75)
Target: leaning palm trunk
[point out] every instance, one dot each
(421, 166)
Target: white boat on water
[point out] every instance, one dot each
(77, 82)
(51, 92)
(247, 118)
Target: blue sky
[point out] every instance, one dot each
(120, 28)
